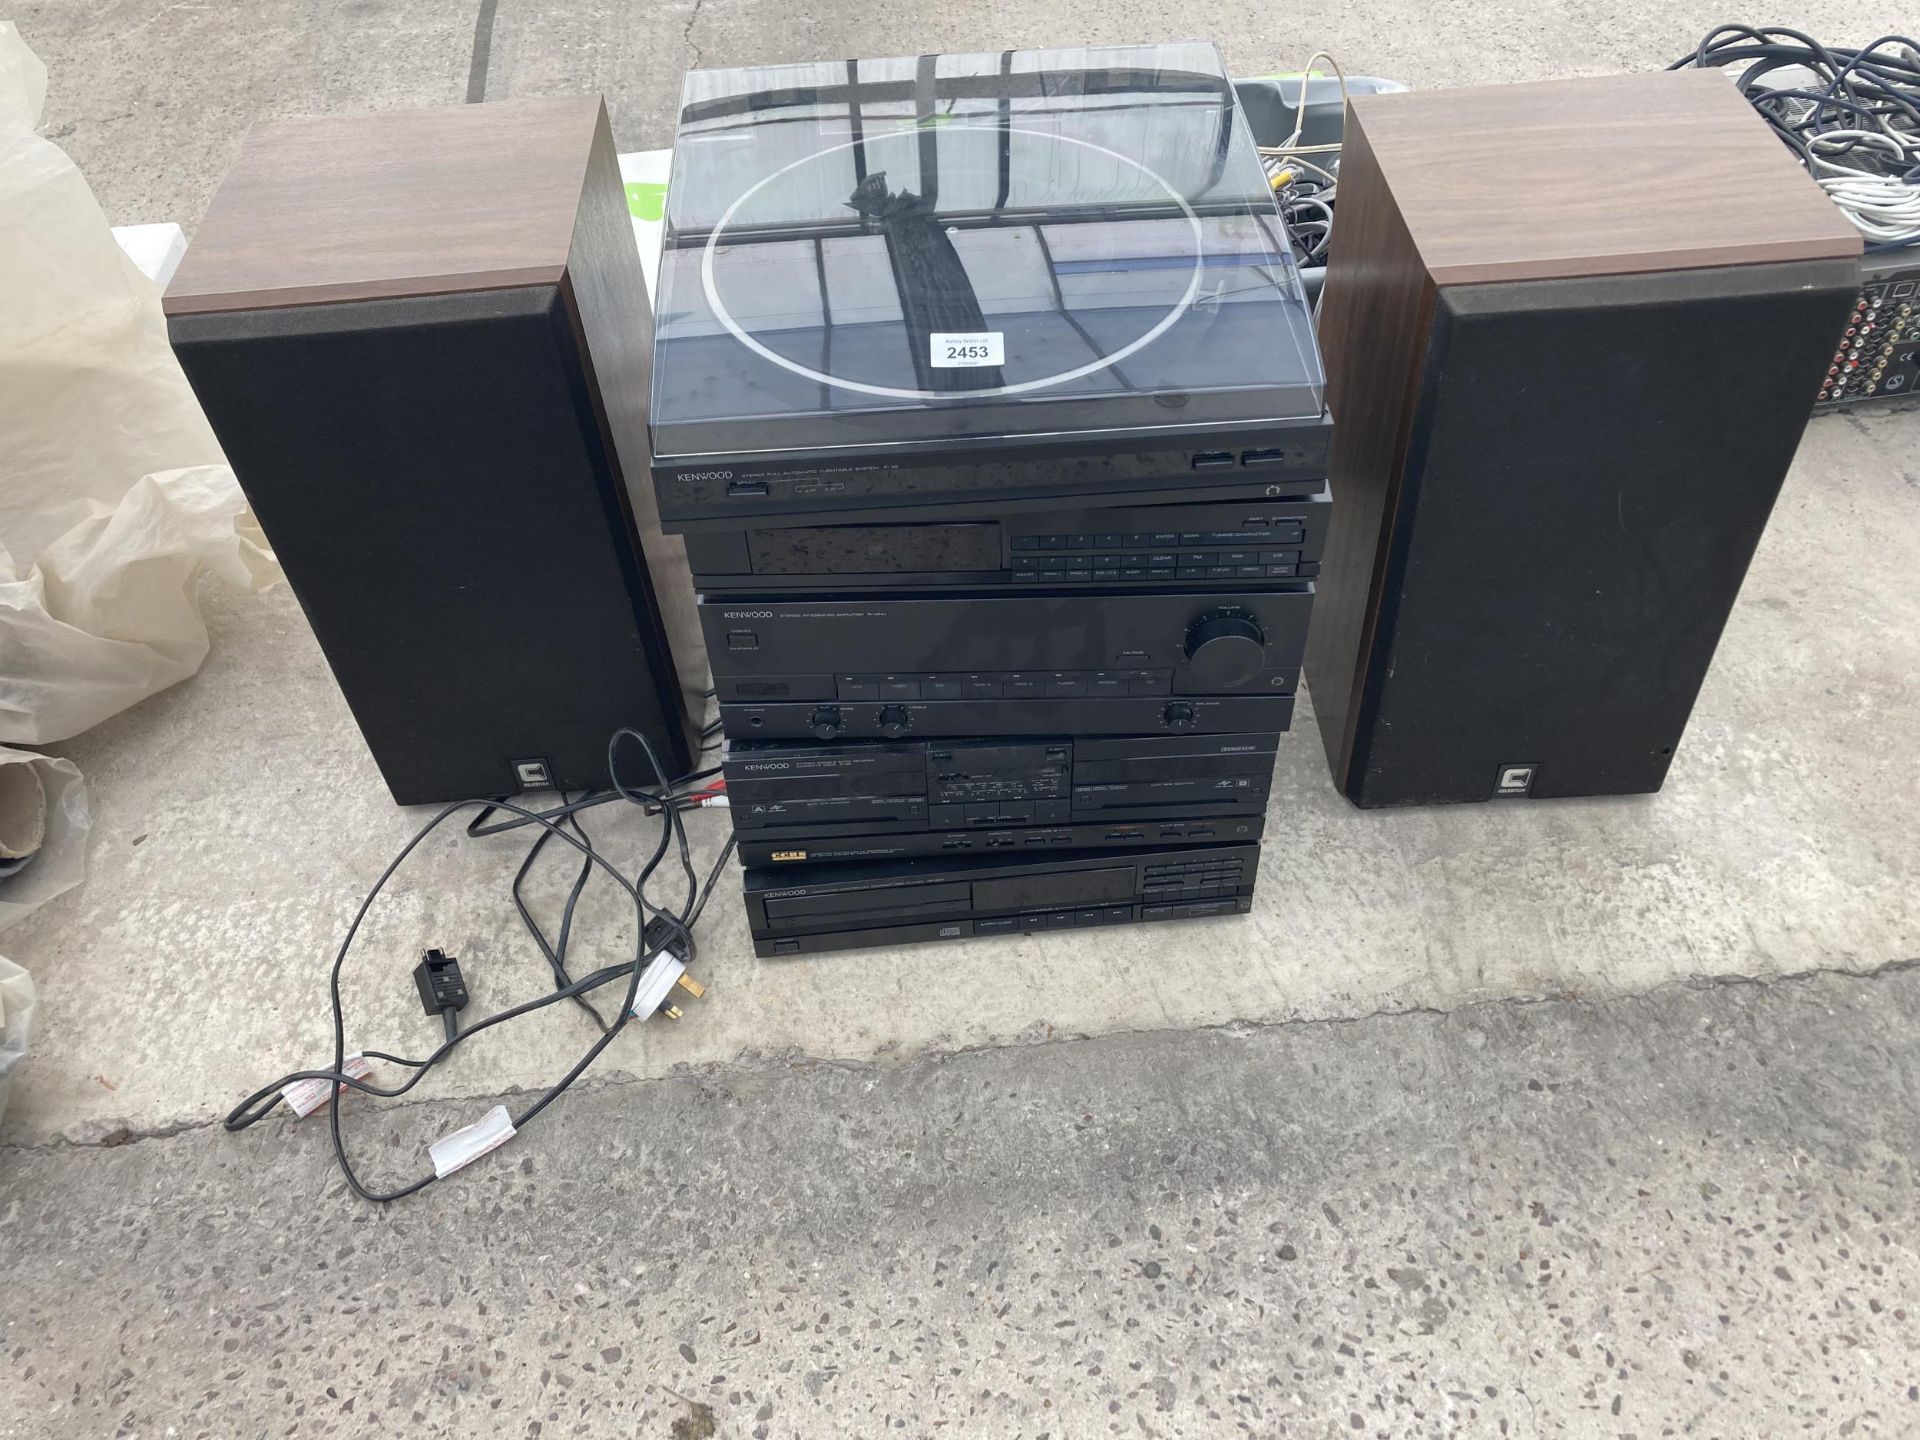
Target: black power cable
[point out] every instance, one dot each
(561, 822)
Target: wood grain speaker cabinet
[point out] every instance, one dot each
(1573, 332)
(424, 340)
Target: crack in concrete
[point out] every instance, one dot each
(750, 1061)
(686, 33)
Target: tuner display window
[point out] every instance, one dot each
(875, 549)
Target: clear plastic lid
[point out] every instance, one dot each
(893, 252)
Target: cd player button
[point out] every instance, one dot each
(1066, 685)
(944, 689)
(1119, 914)
(1053, 542)
(1080, 542)
(1079, 562)
(1134, 572)
(1109, 542)
(1091, 917)
(1026, 542)
(851, 689)
(998, 925)
(1157, 912)
(1026, 687)
(899, 689)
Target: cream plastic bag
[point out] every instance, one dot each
(113, 491)
(16, 1022)
(56, 837)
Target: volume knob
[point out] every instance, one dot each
(893, 720)
(825, 721)
(1225, 649)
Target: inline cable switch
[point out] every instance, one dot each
(442, 990)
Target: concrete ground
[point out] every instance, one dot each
(904, 1190)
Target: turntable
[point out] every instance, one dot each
(1021, 279)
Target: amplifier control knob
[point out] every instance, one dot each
(1177, 716)
(893, 720)
(825, 722)
(1225, 649)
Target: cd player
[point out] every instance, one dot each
(839, 907)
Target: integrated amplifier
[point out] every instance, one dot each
(1879, 353)
(1156, 546)
(839, 907)
(874, 799)
(1042, 663)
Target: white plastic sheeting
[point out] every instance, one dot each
(114, 496)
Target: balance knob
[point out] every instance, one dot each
(1225, 650)
(1177, 716)
(893, 720)
(825, 722)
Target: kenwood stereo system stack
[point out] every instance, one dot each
(987, 403)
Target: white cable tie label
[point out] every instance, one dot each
(966, 350)
(304, 1097)
(463, 1147)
